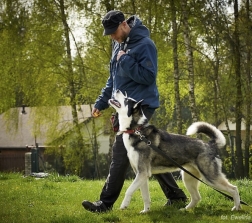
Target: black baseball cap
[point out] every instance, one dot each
(111, 21)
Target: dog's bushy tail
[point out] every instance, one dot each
(209, 130)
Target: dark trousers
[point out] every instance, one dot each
(117, 173)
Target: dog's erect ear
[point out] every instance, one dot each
(132, 105)
(137, 104)
(125, 94)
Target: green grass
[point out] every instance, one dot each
(58, 200)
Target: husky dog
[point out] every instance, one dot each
(196, 156)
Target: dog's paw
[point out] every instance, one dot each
(144, 211)
(122, 207)
(236, 208)
(183, 209)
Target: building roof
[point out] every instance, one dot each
(232, 125)
(20, 129)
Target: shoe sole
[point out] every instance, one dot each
(88, 206)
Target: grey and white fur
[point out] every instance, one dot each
(199, 157)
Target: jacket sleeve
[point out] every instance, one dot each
(141, 66)
(101, 102)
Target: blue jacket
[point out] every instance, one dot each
(136, 71)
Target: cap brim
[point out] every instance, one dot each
(109, 31)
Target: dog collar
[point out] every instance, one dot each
(132, 131)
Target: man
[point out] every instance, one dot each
(133, 69)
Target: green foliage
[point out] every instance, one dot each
(250, 161)
(26, 199)
(37, 71)
(57, 178)
(74, 157)
(9, 176)
(227, 163)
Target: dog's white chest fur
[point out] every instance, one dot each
(126, 141)
(132, 154)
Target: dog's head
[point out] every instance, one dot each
(129, 110)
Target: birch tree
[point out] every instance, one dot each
(176, 66)
(189, 55)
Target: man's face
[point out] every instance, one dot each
(120, 34)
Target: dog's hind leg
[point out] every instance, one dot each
(214, 177)
(192, 186)
(222, 184)
(140, 179)
(146, 196)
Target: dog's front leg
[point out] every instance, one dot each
(146, 196)
(136, 184)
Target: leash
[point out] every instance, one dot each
(142, 137)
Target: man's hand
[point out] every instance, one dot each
(120, 53)
(95, 112)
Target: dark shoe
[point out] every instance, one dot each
(97, 206)
(180, 202)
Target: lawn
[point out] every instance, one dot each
(58, 199)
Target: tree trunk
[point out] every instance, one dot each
(189, 54)
(176, 67)
(248, 91)
(71, 76)
(97, 174)
(238, 113)
(133, 4)
(216, 91)
(69, 62)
